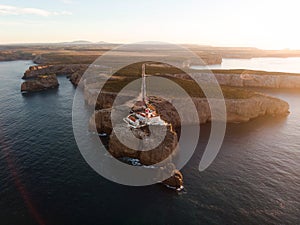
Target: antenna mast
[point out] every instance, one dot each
(144, 83)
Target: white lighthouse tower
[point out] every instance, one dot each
(143, 87)
(147, 115)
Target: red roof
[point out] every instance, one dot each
(142, 114)
(132, 118)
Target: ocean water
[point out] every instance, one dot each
(289, 65)
(255, 178)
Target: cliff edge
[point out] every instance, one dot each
(40, 83)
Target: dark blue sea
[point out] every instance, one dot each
(255, 178)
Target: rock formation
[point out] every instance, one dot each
(247, 78)
(257, 80)
(235, 78)
(149, 145)
(167, 148)
(238, 110)
(40, 83)
(73, 71)
(76, 76)
(150, 157)
(175, 181)
(101, 120)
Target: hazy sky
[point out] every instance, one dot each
(258, 23)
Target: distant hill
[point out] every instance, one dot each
(103, 43)
(79, 42)
(84, 42)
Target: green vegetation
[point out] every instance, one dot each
(130, 73)
(135, 70)
(67, 58)
(191, 87)
(53, 53)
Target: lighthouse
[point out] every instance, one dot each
(143, 86)
(146, 115)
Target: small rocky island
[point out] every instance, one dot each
(40, 83)
(161, 152)
(118, 134)
(43, 77)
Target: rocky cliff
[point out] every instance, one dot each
(248, 78)
(150, 157)
(167, 148)
(235, 78)
(238, 110)
(101, 120)
(175, 181)
(73, 71)
(40, 83)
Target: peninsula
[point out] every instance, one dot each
(242, 104)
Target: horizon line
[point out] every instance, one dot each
(115, 43)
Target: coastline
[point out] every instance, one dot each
(238, 110)
(245, 143)
(241, 106)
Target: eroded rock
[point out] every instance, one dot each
(175, 181)
(40, 83)
(166, 148)
(60, 69)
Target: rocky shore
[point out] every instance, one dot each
(149, 145)
(248, 78)
(153, 156)
(258, 79)
(234, 78)
(238, 110)
(72, 71)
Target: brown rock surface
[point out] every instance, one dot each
(150, 157)
(101, 121)
(76, 76)
(175, 181)
(60, 69)
(243, 78)
(40, 83)
(238, 110)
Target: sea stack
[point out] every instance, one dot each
(40, 83)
